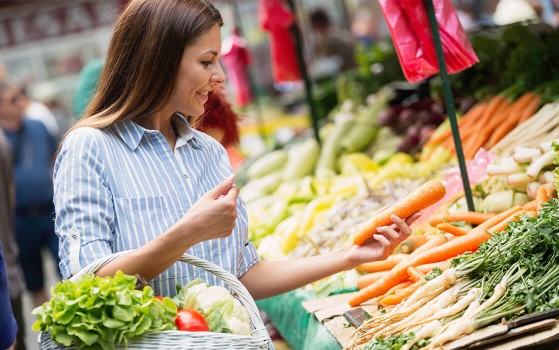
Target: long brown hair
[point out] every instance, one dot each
(143, 58)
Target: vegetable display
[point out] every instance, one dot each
(463, 268)
(104, 311)
(481, 287)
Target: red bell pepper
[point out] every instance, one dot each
(191, 320)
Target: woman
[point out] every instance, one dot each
(133, 175)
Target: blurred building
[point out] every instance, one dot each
(45, 43)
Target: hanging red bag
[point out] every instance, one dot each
(277, 19)
(408, 23)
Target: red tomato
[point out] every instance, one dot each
(191, 320)
(158, 297)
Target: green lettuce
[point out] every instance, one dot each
(101, 312)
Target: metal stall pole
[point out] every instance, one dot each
(449, 104)
(303, 70)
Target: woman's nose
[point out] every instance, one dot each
(219, 75)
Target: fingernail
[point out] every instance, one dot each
(231, 178)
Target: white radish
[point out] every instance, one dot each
(506, 166)
(519, 179)
(471, 309)
(460, 305)
(453, 332)
(424, 332)
(547, 177)
(539, 163)
(387, 325)
(500, 290)
(525, 154)
(547, 145)
(447, 278)
(418, 318)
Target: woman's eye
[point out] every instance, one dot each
(206, 63)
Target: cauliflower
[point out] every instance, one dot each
(239, 321)
(212, 295)
(222, 311)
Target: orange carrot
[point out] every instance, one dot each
(520, 107)
(433, 241)
(401, 294)
(541, 197)
(496, 111)
(443, 265)
(468, 243)
(503, 224)
(530, 110)
(468, 118)
(550, 190)
(412, 243)
(399, 286)
(397, 275)
(415, 274)
(370, 278)
(470, 217)
(384, 265)
(453, 230)
(530, 206)
(394, 289)
(426, 195)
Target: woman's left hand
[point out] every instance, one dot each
(382, 244)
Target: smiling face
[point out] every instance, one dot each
(199, 73)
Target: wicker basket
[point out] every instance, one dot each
(170, 340)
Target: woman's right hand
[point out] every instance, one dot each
(213, 215)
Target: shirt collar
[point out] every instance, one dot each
(131, 133)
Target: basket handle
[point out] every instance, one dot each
(240, 290)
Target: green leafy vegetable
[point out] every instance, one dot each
(556, 162)
(526, 255)
(103, 312)
(434, 273)
(395, 342)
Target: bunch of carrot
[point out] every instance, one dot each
(437, 252)
(461, 299)
(485, 124)
(384, 276)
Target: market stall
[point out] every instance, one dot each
(481, 268)
(507, 132)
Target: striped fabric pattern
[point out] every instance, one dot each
(118, 188)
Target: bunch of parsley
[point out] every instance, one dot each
(527, 254)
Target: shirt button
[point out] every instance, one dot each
(74, 236)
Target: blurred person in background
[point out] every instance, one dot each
(331, 42)
(475, 14)
(87, 84)
(8, 325)
(32, 153)
(38, 111)
(8, 241)
(365, 24)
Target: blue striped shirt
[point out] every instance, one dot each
(118, 188)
